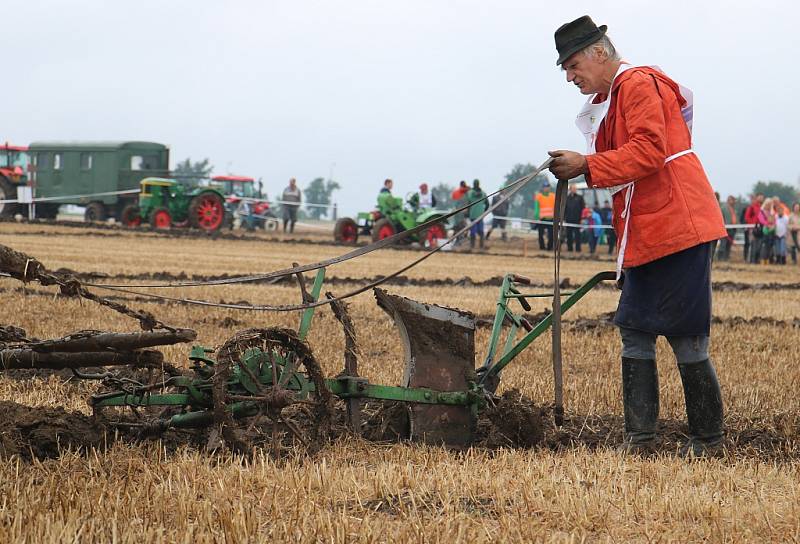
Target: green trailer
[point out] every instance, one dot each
(75, 169)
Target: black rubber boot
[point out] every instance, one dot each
(703, 408)
(640, 402)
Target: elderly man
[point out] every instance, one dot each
(291, 199)
(637, 124)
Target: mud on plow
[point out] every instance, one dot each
(265, 387)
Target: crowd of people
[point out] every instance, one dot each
(585, 224)
(772, 232)
(771, 228)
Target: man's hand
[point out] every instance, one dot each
(568, 164)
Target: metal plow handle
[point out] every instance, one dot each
(439, 346)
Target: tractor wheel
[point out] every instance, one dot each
(207, 211)
(382, 228)
(160, 219)
(95, 211)
(130, 216)
(430, 237)
(8, 191)
(345, 231)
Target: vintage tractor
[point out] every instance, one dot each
(391, 217)
(242, 201)
(164, 203)
(13, 173)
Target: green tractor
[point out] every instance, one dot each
(165, 203)
(390, 218)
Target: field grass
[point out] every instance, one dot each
(358, 491)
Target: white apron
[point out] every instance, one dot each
(426, 200)
(588, 122)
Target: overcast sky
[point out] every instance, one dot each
(412, 90)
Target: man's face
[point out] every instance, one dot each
(546, 189)
(292, 183)
(760, 198)
(573, 189)
(389, 184)
(731, 200)
(585, 72)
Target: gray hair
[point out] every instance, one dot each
(604, 47)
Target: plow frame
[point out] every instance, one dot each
(196, 396)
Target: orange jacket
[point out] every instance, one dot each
(547, 204)
(459, 193)
(673, 206)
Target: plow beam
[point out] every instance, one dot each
(439, 347)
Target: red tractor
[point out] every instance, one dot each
(14, 160)
(243, 201)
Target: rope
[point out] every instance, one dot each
(514, 188)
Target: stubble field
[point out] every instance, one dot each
(572, 487)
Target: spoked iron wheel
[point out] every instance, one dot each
(207, 211)
(286, 413)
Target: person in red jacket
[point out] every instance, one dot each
(637, 124)
(754, 235)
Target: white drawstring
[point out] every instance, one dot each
(626, 212)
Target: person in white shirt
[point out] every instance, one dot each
(781, 228)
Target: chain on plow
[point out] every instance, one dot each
(508, 191)
(27, 269)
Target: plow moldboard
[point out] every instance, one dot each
(439, 346)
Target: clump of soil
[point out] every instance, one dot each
(42, 433)
(515, 421)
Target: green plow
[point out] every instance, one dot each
(263, 374)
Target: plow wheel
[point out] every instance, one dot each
(207, 211)
(289, 411)
(439, 346)
(431, 236)
(160, 219)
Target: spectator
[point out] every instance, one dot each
(477, 198)
(573, 210)
(499, 213)
(766, 222)
(751, 215)
(794, 229)
(593, 223)
(730, 216)
(424, 199)
(387, 186)
(781, 228)
(543, 210)
(714, 243)
(778, 205)
(607, 215)
(459, 196)
(291, 199)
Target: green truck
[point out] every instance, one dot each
(75, 169)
